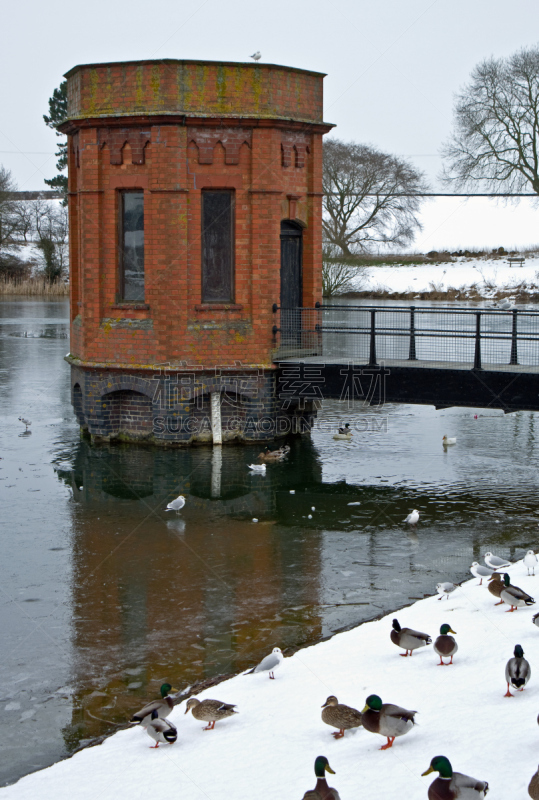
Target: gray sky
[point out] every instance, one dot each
(392, 67)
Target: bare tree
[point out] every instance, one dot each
(50, 223)
(9, 221)
(338, 276)
(370, 197)
(495, 143)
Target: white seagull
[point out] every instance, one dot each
(412, 518)
(177, 504)
(269, 663)
(26, 422)
(449, 440)
(257, 56)
(495, 562)
(445, 589)
(530, 561)
(479, 571)
(260, 468)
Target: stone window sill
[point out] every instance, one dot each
(219, 307)
(131, 306)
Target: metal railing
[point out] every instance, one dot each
(370, 334)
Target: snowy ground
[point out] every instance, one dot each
(488, 275)
(269, 748)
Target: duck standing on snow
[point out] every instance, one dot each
(517, 671)
(449, 440)
(413, 517)
(495, 562)
(322, 791)
(209, 711)
(160, 707)
(530, 561)
(340, 716)
(386, 719)
(445, 645)
(408, 639)
(514, 596)
(495, 586)
(269, 663)
(445, 589)
(479, 571)
(161, 731)
(451, 785)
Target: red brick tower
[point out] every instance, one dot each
(195, 204)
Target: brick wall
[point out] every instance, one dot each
(173, 129)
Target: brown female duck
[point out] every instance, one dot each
(340, 716)
(209, 711)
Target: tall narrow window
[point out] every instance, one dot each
(132, 247)
(218, 246)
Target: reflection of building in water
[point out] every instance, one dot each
(158, 596)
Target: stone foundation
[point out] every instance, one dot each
(173, 407)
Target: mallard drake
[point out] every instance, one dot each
(445, 645)
(495, 586)
(514, 596)
(340, 716)
(451, 785)
(495, 562)
(530, 561)
(161, 731)
(269, 663)
(408, 639)
(533, 787)
(210, 711)
(413, 517)
(535, 619)
(322, 791)
(479, 571)
(386, 719)
(162, 707)
(517, 671)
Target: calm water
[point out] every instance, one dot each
(105, 596)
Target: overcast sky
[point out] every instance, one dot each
(392, 67)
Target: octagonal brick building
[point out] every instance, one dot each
(195, 202)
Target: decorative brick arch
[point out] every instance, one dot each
(231, 139)
(116, 138)
(126, 383)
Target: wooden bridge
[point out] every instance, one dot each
(441, 356)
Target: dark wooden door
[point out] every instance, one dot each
(291, 257)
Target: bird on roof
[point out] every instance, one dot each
(256, 56)
(269, 663)
(177, 504)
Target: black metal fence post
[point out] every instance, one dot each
(514, 353)
(372, 353)
(477, 355)
(411, 354)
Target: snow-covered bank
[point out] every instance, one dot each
(270, 746)
(488, 277)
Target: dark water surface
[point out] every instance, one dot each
(105, 596)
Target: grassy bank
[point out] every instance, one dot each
(35, 287)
